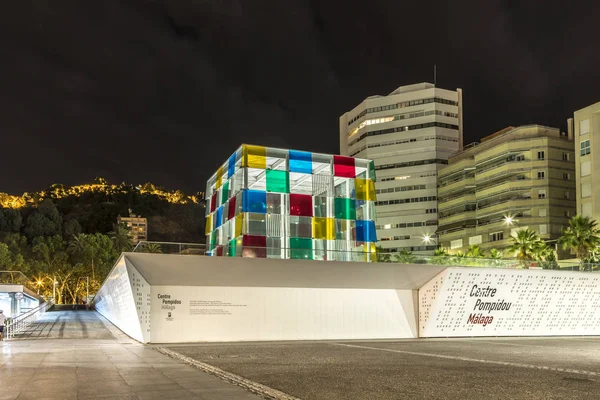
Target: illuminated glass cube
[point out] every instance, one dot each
(274, 203)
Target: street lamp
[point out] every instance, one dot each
(54, 289)
(427, 238)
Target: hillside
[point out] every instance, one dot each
(95, 207)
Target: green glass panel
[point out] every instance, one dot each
(372, 171)
(278, 181)
(225, 193)
(232, 245)
(301, 248)
(344, 208)
(213, 239)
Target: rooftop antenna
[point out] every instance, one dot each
(434, 74)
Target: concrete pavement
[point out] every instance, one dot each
(79, 355)
(465, 369)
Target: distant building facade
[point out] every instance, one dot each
(138, 227)
(520, 177)
(586, 126)
(275, 203)
(409, 134)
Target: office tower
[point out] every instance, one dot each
(409, 134)
(517, 178)
(587, 135)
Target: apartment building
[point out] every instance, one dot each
(586, 126)
(517, 178)
(409, 134)
(138, 227)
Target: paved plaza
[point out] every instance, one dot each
(79, 355)
(470, 368)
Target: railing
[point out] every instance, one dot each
(13, 277)
(18, 324)
(319, 254)
(170, 248)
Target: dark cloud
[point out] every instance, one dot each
(165, 90)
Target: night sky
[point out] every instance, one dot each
(164, 91)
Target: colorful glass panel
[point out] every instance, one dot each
(344, 208)
(231, 209)
(300, 161)
(239, 224)
(231, 166)
(219, 217)
(365, 231)
(225, 192)
(208, 224)
(232, 247)
(365, 189)
(254, 157)
(344, 166)
(301, 205)
(278, 181)
(219, 177)
(254, 201)
(301, 248)
(323, 228)
(213, 202)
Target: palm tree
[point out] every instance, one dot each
(79, 247)
(404, 257)
(524, 243)
(495, 254)
(475, 251)
(382, 256)
(440, 256)
(120, 237)
(581, 236)
(152, 248)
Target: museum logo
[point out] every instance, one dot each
(483, 294)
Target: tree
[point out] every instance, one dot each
(404, 257)
(120, 237)
(524, 243)
(382, 255)
(581, 235)
(71, 228)
(475, 251)
(440, 256)
(152, 248)
(39, 225)
(496, 254)
(5, 257)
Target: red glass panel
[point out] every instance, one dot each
(231, 209)
(301, 205)
(213, 202)
(254, 246)
(344, 166)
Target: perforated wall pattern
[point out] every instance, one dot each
(502, 302)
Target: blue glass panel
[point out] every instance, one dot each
(254, 201)
(219, 219)
(231, 166)
(365, 231)
(300, 161)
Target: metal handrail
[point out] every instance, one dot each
(21, 322)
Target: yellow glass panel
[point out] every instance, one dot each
(254, 156)
(219, 177)
(208, 224)
(365, 189)
(323, 228)
(370, 252)
(239, 224)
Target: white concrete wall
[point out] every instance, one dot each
(193, 314)
(116, 302)
(534, 303)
